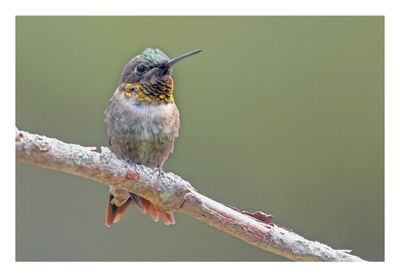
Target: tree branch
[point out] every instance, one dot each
(170, 192)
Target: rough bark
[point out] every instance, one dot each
(170, 192)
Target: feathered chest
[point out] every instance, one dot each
(125, 114)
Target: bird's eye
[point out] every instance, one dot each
(141, 68)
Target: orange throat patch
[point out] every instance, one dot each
(153, 94)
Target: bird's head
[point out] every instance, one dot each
(148, 76)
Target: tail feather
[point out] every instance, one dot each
(146, 207)
(168, 217)
(113, 212)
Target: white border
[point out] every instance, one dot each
(205, 7)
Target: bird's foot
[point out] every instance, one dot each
(159, 171)
(132, 163)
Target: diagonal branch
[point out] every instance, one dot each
(170, 192)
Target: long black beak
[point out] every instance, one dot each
(173, 61)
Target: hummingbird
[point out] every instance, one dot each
(142, 122)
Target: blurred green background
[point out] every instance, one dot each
(280, 114)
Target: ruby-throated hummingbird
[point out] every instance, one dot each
(142, 124)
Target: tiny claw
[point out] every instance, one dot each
(159, 170)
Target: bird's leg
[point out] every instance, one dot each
(158, 170)
(134, 164)
(131, 162)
